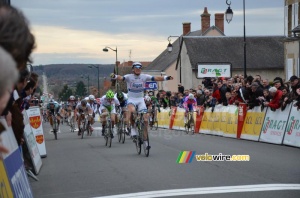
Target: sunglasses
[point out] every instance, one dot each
(137, 67)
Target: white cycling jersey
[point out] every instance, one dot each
(136, 84)
(86, 109)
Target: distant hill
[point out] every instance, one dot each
(71, 73)
(60, 74)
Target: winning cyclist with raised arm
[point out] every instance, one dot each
(135, 86)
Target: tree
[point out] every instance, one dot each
(65, 93)
(80, 89)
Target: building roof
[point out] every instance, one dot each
(261, 51)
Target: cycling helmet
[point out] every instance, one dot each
(83, 102)
(86, 98)
(147, 99)
(51, 101)
(72, 98)
(109, 94)
(92, 97)
(191, 96)
(137, 65)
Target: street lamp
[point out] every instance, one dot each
(229, 15)
(88, 78)
(96, 66)
(116, 66)
(170, 48)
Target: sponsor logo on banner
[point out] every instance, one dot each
(151, 85)
(39, 139)
(274, 124)
(293, 124)
(213, 70)
(35, 122)
(5, 189)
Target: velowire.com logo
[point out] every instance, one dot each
(186, 157)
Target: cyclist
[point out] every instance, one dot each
(189, 103)
(136, 86)
(84, 108)
(122, 97)
(155, 104)
(108, 103)
(53, 108)
(93, 103)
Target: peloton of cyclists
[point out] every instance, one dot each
(136, 86)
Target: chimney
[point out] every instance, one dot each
(130, 63)
(205, 20)
(186, 28)
(219, 21)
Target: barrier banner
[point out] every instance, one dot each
(199, 116)
(5, 188)
(216, 118)
(231, 124)
(179, 119)
(223, 119)
(35, 121)
(241, 118)
(163, 118)
(253, 123)
(206, 124)
(292, 132)
(172, 118)
(274, 125)
(32, 145)
(13, 170)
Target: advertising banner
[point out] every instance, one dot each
(216, 118)
(274, 125)
(207, 123)
(292, 132)
(35, 122)
(214, 70)
(163, 118)
(151, 85)
(231, 124)
(173, 113)
(253, 123)
(32, 145)
(13, 178)
(179, 119)
(199, 116)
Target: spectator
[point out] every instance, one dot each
(165, 102)
(223, 88)
(180, 88)
(276, 96)
(294, 86)
(279, 85)
(216, 92)
(200, 98)
(257, 91)
(265, 84)
(235, 98)
(8, 76)
(207, 82)
(286, 98)
(15, 35)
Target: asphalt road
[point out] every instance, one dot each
(78, 168)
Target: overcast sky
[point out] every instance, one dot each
(76, 31)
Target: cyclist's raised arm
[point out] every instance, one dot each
(116, 77)
(162, 78)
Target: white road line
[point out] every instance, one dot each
(208, 190)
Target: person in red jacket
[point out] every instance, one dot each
(276, 95)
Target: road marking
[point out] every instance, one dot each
(208, 190)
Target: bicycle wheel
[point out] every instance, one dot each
(192, 125)
(72, 124)
(145, 144)
(110, 131)
(106, 136)
(55, 128)
(187, 125)
(119, 129)
(139, 140)
(123, 131)
(88, 129)
(82, 129)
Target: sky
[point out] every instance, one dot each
(76, 31)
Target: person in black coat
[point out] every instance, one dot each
(257, 92)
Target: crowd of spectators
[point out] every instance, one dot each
(17, 83)
(254, 91)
